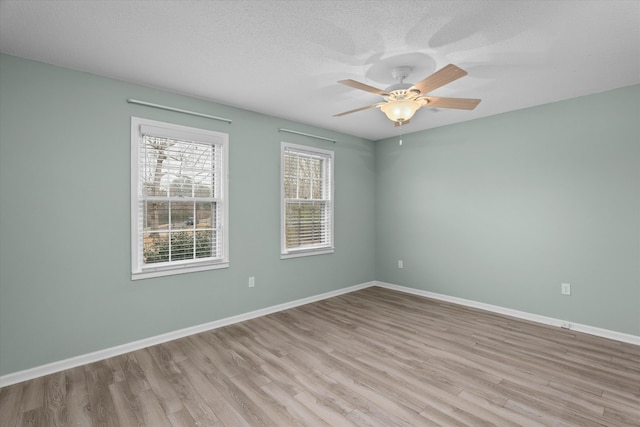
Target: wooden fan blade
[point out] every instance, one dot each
(439, 78)
(359, 109)
(402, 123)
(457, 103)
(362, 86)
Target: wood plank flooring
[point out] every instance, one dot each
(374, 357)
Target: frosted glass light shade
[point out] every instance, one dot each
(401, 110)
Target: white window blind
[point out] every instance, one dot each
(307, 200)
(179, 207)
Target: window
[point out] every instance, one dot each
(307, 201)
(179, 206)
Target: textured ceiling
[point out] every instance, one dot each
(284, 58)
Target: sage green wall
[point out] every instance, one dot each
(501, 210)
(498, 210)
(65, 287)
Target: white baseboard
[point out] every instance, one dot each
(591, 330)
(96, 356)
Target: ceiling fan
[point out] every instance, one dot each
(402, 100)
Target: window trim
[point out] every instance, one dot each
(171, 130)
(286, 253)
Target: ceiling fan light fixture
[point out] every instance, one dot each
(402, 100)
(400, 110)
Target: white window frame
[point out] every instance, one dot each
(328, 190)
(140, 127)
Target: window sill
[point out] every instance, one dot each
(177, 270)
(307, 253)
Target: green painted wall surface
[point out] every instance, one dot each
(502, 210)
(65, 287)
(499, 210)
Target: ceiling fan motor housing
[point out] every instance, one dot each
(399, 90)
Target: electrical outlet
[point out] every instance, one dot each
(400, 264)
(252, 282)
(565, 288)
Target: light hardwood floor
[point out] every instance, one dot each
(374, 357)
